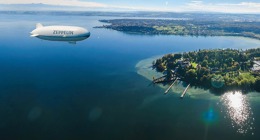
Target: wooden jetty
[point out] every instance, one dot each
(170, 86)
(159, 80)
(184, 92)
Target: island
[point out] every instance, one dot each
(219, 70)
(186, 26)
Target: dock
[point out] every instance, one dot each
(159, 80)
(170, 86)
(184, 92)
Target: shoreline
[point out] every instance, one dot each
(190, 28)
(144, 69)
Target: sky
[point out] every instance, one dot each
(227, 6)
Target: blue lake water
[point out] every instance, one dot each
(91, 90)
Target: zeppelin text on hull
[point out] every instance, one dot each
(57, 32)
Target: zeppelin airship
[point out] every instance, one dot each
(70, 34)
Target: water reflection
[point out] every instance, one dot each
(238, 110)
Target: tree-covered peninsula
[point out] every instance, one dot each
(184, 27)
(219, 69)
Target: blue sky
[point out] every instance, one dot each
(229, 6)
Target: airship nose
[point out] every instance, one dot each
(87, 34)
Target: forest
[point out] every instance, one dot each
(218, 69)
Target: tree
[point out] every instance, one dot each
(204, 63)
(217, 81)
(191, 76)
(257, 84)
(177, 56)
(160, 67)
(230, 61)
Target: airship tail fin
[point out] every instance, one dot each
(39, 25)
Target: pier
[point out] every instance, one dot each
(171, 86)
(159, 80)
(184, 92)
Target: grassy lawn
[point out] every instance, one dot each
(194, 65)
(245, 76)
(171, 29)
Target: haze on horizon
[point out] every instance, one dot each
(231, 6)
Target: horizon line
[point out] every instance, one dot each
(49, 7)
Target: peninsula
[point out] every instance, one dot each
(184, 27)
(219, 69)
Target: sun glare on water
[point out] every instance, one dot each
(238, 110)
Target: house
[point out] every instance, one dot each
(184, 63)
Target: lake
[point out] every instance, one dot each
(92, 89)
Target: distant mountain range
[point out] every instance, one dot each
(40, 7)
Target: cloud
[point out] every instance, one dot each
(200, 6)
(194, 5)
(243, 7)
(56, 2)
(196, 2)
